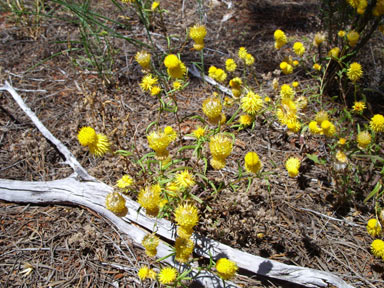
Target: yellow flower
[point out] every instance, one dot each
(353, 38)
(328, 128)
(143, 272)
(358, 106)
(275, 84)
(295, 63)
(342, 141)
(212, 109)
(124, 182)
(171, 133)
(115, 203)
(226, 268)
(245, 119)
(267, 99)
(373, 227)
(299, 48)
(184, 179)
(286, 68)
(230, 65)
(149, 198)
(317, 66)
(341, 157)
(171, 61)
(150, 243)
(154, 5)
(242, 53)
(249, 59)
(198, 132)
(220, 147)
(341, 33)
(252, 162)
(236, 83)
(251, 103)
(155, 90)
(354, 72)
(292, 165)
(220, 75)
(177, 72)
(198, 33)
(334, 52)
(295, 84)
(378, 10)
(377, 248)
(143, 58)
(186, 215)
(286, 92)
(319, 38)
(321, 116)
(184, 248)
(280, 39)
(148, 82)
(167, 275)
(87, 136)
(363, 139)
(362, 6)
(101, 146)
(377, 123)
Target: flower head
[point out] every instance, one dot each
(354, 72)
(373, 227)
(299, 48)
(359, 106)
(177, 84)
(150, 243)
(226, 268)
(87, 136)
(363, 139)
(198, 132)
(171, 61)
(184, 179)
(242, 53)
(251, 103)
(252, 162)
(353, 38)
(334, 52)
(286, 92)
(186, 215)
(154, 5)
(245, 119)
(143, 58)
(342, 141)
(280, 38)
(319, 39)
(145, 272)
(249, 59)
(377, 123)
(98, 144)
(148, 82)
(124, 182)
(115, 203)
(341, 33)
(292, 165)
(286, 68)
(198, 33)
(341, 157)
(316, 66)
(167, 275)
(212, 109)
(155, 90)
(149, 198)
(230, 65)
(184, 248)
(377, 248)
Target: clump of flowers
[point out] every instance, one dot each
(230, 65)
(292, 165)
(377, 248)
(186, 217)
(322, 125)
(98, 144)
(251, 103)
(146, 273)
(148, 82)
(334, 52)
(149, 198)
(184, 248)
(167, 275)
(354, 72)
(286, 68)
(280, 39)
(377, 123)
(226, 268)
(212, 109)
(150, 243)
(252, 162)
(363, 139)
(160, 140)
(175, 68)
(217, 74)
(359, 5)
(144, 59)
(235, 85)
(115, 203)
(197, 34)
(373, 227)
(184, 180)
(298, 48)
(220, 147)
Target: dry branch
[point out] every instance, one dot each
(91, 193)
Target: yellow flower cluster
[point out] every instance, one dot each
(245, 56)
(217, 74)
(363, 139)
(373, 227)
(226, 268)
(146, 273)
(198, 132)
(212, 108)
(334, 52)
(299, 48)
(160, 140)
(220, 147)
(197, 34)
(358, 106)
(251, 103)
(230, 65)
(98, 144)
(246, 120)
(359, 5)
(175, 68)
(184, 248)
(354, 72)
(280, 39)
(184, 180)
(321, 125)
(124, 182)
(286, 67)
(377, 248)
(186, 217)
(252, 162)
(144, 59)
(292, 165)
(150, 243)
(149, 198)
(235, 85)
(377, 123)
(149, 83)
(115, 203)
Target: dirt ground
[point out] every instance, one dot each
(295, 221)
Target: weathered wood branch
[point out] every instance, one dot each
(91, 193)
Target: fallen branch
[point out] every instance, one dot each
(91, 193)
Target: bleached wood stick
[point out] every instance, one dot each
(92, 194)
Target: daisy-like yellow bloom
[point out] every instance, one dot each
(242, 53)
(334, 52)
(245, 120)
(98, 144)
(124, 182)
(377, 123)
(230, 65)
(341, 157)
(252, 162)
(175, 68)
(167, 275)
(251, 103)
(377, 248)
(363, 139)
(249, 59)
(148, 82)
(354, 72)
(155, 90)
(226, 268)
(197, 34)
(160, 140)
(149, 198)
(298, 48)
(286, 92)
(143, 58)
(220, 75)
(342, 141)
(146, 273)
(359, 106)
(177, 84)
(316, 66)
(353, 38)
(150, 243)
(154, 5)
(87, 136)
(328, 128)
(184, 179)
(373, 227)
(318, 39)
(280, 38)
(198, 132)
(292, 165)
(115, 203)
(184, 248)
(286, 68)
(341, 33)
(220, 147)
(212, 109)
(186, 216)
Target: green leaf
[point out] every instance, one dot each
(375, 190)
(316, 159)
(124, 153)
